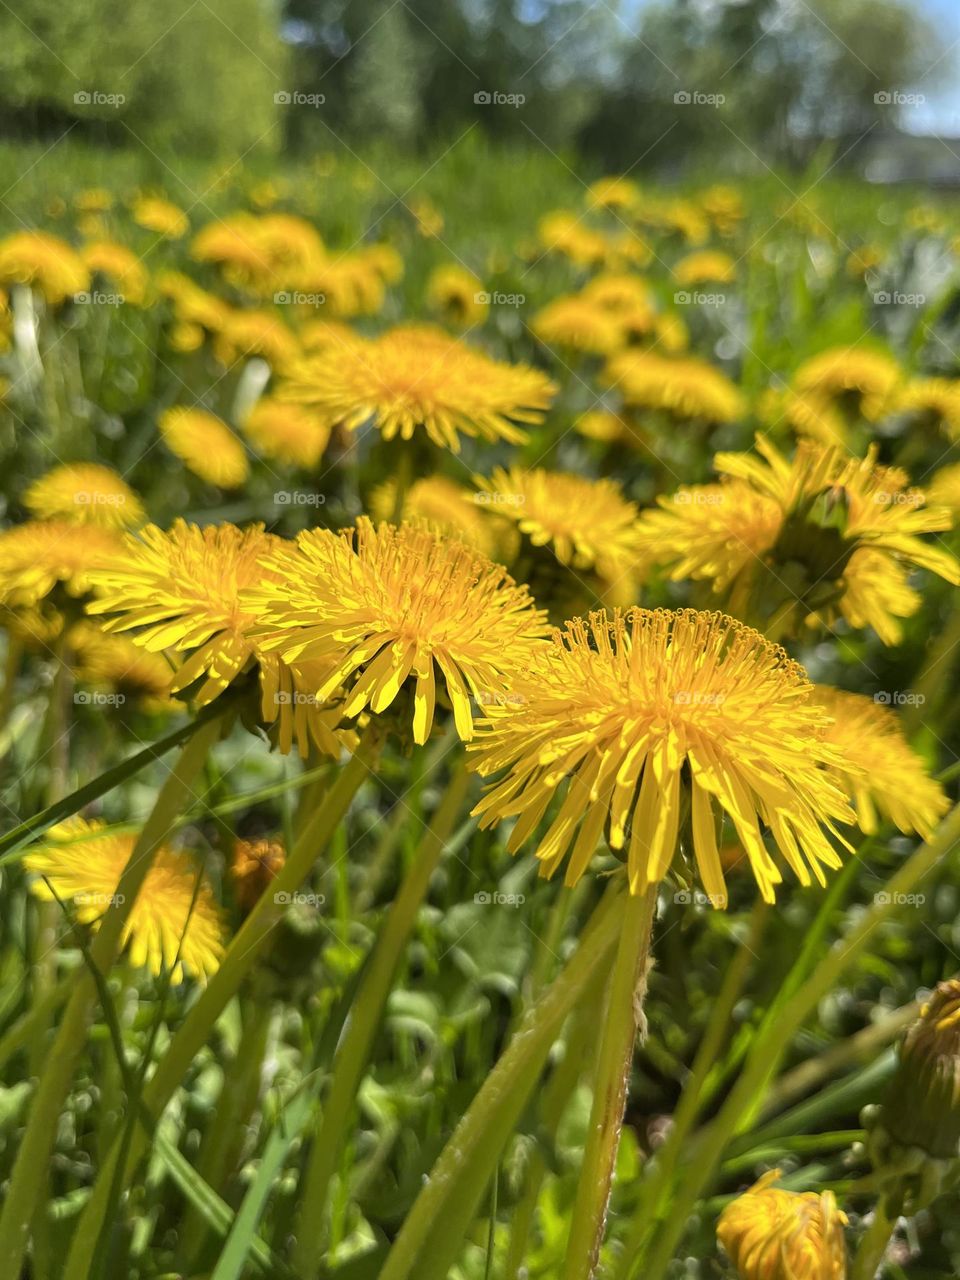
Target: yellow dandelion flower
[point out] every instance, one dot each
(836, 533)
(350, 284)
(428, 217)
(417, 378)
(707, 266)
(937, 399)
(319, 335)
(93, 200)
(384, 260)
(588, 524)
(161, 216)
(458, 295)
(193, 305)
(100, 659)
(866, 379)
(45, 261)
(612, 193)
(377, 606)
(180, 591)
(287, 432)
(205, 445)
(255, 333)
(944, 487)
(671, 333)
(254, 866)
(772, 1234)
(625, 249)
(118, 265)
(685, 387)
(619, 292)
(649, 716)
(563, 232)
(724, 207)
(81, 863)
(888, 776)
(810, 414)
(258, 253)
(443, 505)
(84, 493)
(576, 324)
(35, 556)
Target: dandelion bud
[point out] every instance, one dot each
(915, 1135)
(255, 864)
(772, 1234)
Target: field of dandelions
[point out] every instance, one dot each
(479, 729)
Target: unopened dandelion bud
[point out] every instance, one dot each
(772, 1234)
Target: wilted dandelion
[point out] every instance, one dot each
(772, 1234)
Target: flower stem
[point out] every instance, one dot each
(746, 1095)
(241, 956)
(36, 1147)
(433, 1232)
(624, 1015)
(873, 1245)
(366, 1010)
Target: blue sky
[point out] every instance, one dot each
(941, 112)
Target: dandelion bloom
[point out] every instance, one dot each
(117, 663)
(120, 266)
(706, 266)
(808, 414)
(588, 524)
(563, 232)
(81, 863)
(458, 295)
(935, 399)
(649, 715)
(612, 193)
(887, 777)
(823, 534)
(374, 606)
(37, 555)
(84, 493)
(417, 378)
(160, 216)
(445, 506)
(205, 445)
(578, 324)
(242, 334)
(286, 432)
(866, 379)
(772, 1234)
(46, 261)
(684, 387)
(181, 591)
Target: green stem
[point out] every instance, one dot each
(746, 1096)
(241, 956)
(624, 1015)
(432, 1235)
(662, 1168)
(366, 1011)
(36, 1148)
(873, 1246)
